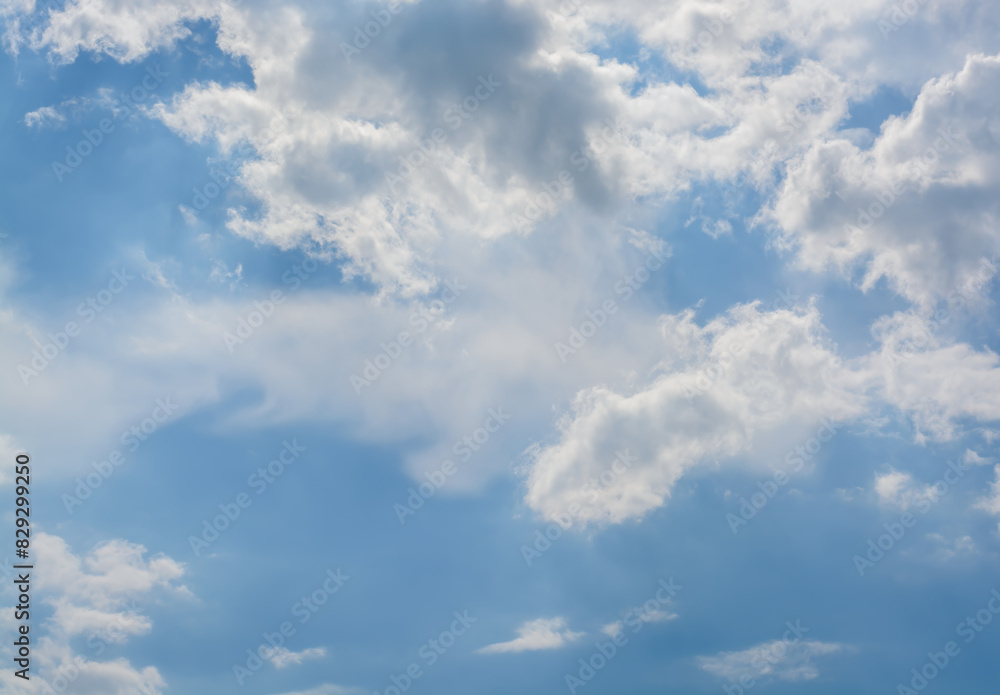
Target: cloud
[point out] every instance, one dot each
(8, 451)
(112, 571)
(778, 659)
(544, 633)
(126, 30)
(990, 503)
(706, 404)
(329, 689)
(282, 657)
(937, 381)
(45, 117)
(313, 147)
(95, 596)
(324, 141)
(900, 491)
(646, 616)
(918, 208)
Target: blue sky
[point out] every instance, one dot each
(675, 314)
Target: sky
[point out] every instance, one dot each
(502, 347)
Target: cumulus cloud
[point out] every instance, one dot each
(918, 208)
(544, 633)
(123, 29)
(937, 381)
(706, 405)
(529, 98)
(324, 142)
(744, 377)
(95, 596)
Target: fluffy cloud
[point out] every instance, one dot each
(323, 141)
(124, 29)
(94, 595)
(742, 375)
(544, 633)
(314, 146)
(918, 208)
(936, 380)
(901, 491)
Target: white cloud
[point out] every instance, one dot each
(329, 689)
(544, 633)
(8, 452)
(787, 661)
(702, 407)
(93, 595)
(900, 491)
(991, 502)
(282, 657)
(112, 571)
(948, 550)
(127, 30)
(919, 208)
(973, 458)
(323, 139)
(935, 380)
(646, 616)
(45, 117)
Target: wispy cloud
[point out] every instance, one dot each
(544, 633)
(779, 659)
(282, 657)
